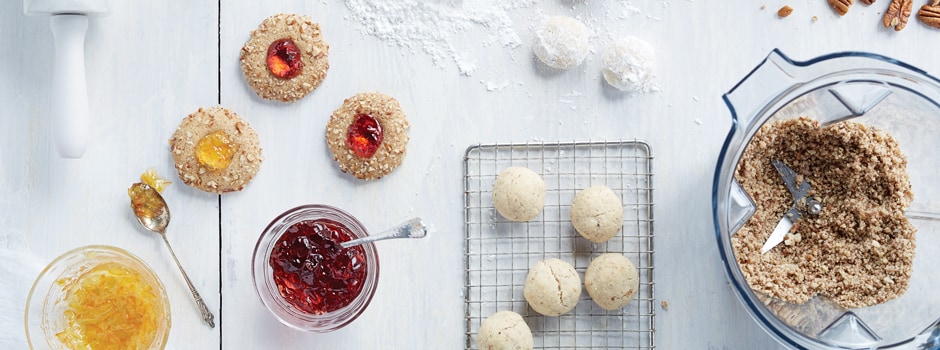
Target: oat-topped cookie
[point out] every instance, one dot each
(215, 150)
(286, 57)
(368, 135)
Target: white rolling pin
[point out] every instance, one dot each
(70, 113)
(70, 121)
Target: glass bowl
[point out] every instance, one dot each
(269, 290)
(48, 304)
(876, 91)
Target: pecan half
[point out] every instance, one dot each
(930, 14)
(867, 2)
(841, 6)
(897, 14)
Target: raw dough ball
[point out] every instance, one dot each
(628, 63)
(611, 280)
(552, 287)
(519, 194)
(504, 330)
(596, 213)
(562, 42)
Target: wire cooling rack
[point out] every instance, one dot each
(498, 252)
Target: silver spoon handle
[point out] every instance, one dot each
(413, 228)
(203, 309)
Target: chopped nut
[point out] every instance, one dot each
(930, 14)
(861, 241)
(867, 2)
(792, 238)
(784, 11)
(841, 6)
(897, 14)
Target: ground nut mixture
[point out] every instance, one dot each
(860, 249)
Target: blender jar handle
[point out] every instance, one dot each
(776, 74)
(746, 100)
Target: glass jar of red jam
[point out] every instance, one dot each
(303, 275)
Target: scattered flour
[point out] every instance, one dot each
(574, 93)
(495, 86)
(440, 28)
(430, 26)
(571, 104)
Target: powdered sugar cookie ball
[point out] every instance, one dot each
(628, 64)
(504, 330)
(596, 213)
(552, 287)
(611, 280)
(519, 194)
(562, 42)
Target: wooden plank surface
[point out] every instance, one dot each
(150, 64)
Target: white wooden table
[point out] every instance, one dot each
(150, 64)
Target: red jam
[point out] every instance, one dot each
(312, 271)
(284, 59)
(364, 135)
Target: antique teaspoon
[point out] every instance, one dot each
(153, 214)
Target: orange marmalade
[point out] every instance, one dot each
(110, 307)
(151, 178)
(215, 150)
(145, 201)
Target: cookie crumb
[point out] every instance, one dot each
(784, 11)
(665, 305)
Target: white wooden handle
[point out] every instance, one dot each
(70, 121)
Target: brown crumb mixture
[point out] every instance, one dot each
(860, 249)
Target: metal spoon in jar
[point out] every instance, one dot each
(153, 214)
(414, 228)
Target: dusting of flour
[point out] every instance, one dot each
(450, 32)
(430, 26)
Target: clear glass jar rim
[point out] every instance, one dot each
(267, 290)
